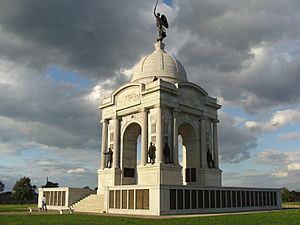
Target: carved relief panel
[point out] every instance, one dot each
(137, 117)
(152, 128)
(166, 118)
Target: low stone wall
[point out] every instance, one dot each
(168, 200)
(62, 197)
(190, 199)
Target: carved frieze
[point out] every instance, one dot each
(191, 98)
(128, 98)
(150, 98)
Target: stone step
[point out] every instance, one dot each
(92, 203)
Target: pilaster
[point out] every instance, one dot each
(144, 137)
(104, 142)
(175, 137)
(203, 142)
(215, 141)
(116, 156)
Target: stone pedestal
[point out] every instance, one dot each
(209, 177)
(167, 174)
(109, 177)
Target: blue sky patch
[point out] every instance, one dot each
(64, 76)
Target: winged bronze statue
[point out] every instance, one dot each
(161, 23)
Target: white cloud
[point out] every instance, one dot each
(76, 171)
(285, 166)
(279, 119)
(272, 157)
(289, 136)
(280, 174)
(282, 118)
(294, 166)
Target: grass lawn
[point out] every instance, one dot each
(291, 205)
(284, 217)
(15, 207)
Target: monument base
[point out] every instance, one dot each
(209, 177)
(167, 174)
(108, 177)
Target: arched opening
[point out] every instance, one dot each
(131, 153)
(187, 146)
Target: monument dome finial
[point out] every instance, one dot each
(159, 46)
(161, 23)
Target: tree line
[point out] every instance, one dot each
(23, 190)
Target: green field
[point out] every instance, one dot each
(16, 208)
(282, 217)
(292, 203)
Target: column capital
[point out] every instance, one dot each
(160, 106)
(144, 110)
(203, 117)
(104, 121)
(175, 110)
(116, 117)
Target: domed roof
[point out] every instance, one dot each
(159, 64)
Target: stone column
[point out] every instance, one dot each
(116, 150)
(203, 143)
(175, 137)
(159, 136)
(215, 144)
(144, 137)
(104, 142)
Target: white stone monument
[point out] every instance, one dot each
(159, 104)
(160, 107)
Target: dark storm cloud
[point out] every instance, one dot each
(236, 145)
(35, 109)
(235, 26)
(94, 37)
(216, 41)
(219, 50)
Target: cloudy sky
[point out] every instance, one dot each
(58, 59)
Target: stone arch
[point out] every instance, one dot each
(189, 147)
(129, 152)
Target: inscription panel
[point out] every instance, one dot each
(128, 98)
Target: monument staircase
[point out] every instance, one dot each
(93, 203)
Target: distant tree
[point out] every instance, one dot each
(86, 187)
(23, 190)
(286, 195)
(2, 186)
(49, 184)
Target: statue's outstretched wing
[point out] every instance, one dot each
(164, 21)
